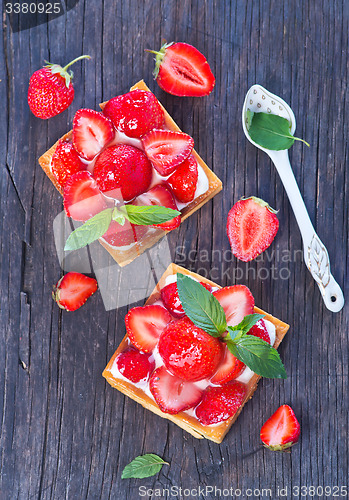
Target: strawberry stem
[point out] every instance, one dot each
(75, 60)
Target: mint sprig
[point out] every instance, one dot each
(143, 466)
(270, 131)
(201, 306)
(206, 312)
(96, 226)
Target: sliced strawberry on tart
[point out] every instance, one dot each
(207, 358)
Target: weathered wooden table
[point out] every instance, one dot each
(65, 433)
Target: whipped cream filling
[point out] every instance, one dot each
(244, 377)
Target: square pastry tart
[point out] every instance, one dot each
(148, 368)
(175, 187)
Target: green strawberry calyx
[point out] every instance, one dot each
(67, 75)
(159, 56)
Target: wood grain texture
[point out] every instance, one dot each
(64, 434)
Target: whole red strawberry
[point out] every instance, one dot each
(188, 351)
(135, 113)
(182, 70)
(50, 89)
(251, 227)
(123, 167)
(65, 162)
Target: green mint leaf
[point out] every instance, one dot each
(148, 215)
(247, 323)
(201, 306)
(257, 354)
(118, 216)
(90, 231)
(143, 466)
(271, 131)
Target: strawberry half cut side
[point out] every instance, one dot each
(183, 70)
(81, 197)
(237, 302)
(171, 393)
(72, 291)
(229, 368)
(166, 149)
(281, 430)
(92, 131)
(251, 227)
(220, 403)
(160, 195)
(145, 324)
(184, 180)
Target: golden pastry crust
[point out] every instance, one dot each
(214, 433)
(126, 256)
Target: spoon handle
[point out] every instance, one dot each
(315, 253)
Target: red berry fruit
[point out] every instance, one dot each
(173, 394)
(135, 113)
(72, 291)
(281, 430)
(92, 131)
(65, 162)
(123, 168)
(251, 227)
(260, 330)
(237, 302)
(162, 196)
(229, 368)
(182, 70)
(81, 197)
(145, 324)
(170, 298)
(50, 89)
(188, 351)
(134, 365)
(220, 403)
(184, 180)
(167, 149)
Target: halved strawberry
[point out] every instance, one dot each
(188, 351)
(184, 180)
(81, 197)
(251, 227)
(170, 298)
(65, 162)
(166, 149)
(160, 195)
(135, 365)
(229, 368)
(260, 330)
(72, 291)
(127, 234)
(237, 302)
(92, 131)
(220, 403)
(281, 430)
(145, 324)
(135, 113)
(171, 393)
(182, 70)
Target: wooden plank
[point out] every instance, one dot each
(63, 433)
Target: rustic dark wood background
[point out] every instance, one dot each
(64, 433)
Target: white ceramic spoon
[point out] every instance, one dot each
(258, 99)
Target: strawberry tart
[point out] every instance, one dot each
(185, 373)
(130, 153)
